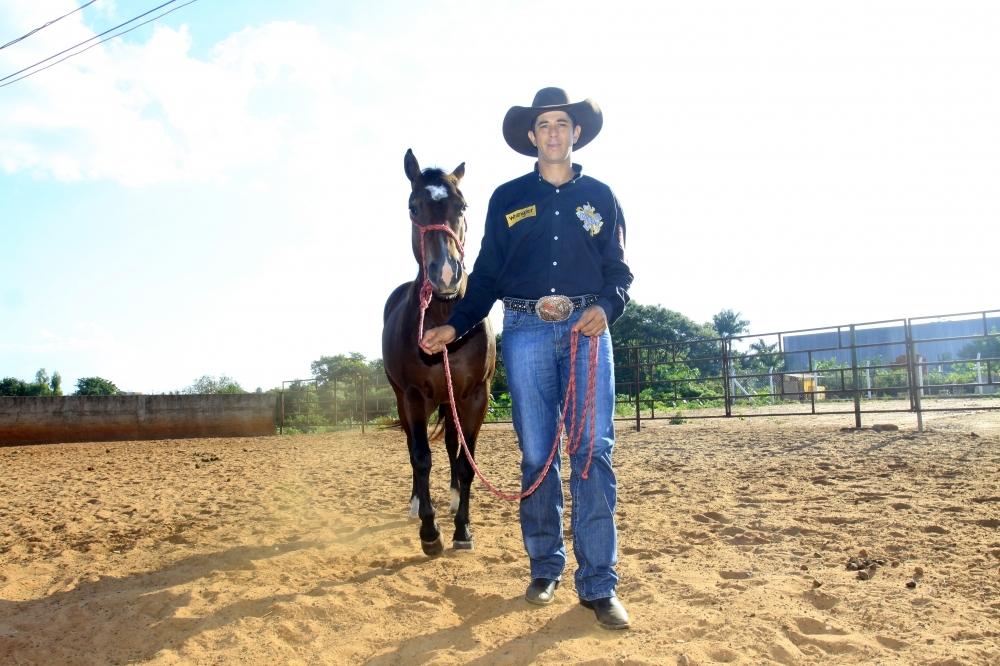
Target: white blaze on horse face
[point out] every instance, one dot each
(447, 274)
(438, 192)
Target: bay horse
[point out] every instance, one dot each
(418, 378)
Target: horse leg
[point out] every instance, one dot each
(420, 459)
(471, 413)
(401, 409)
(454, 452)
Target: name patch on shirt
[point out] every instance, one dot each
(520, 214)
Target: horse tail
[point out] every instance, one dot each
(442, 416)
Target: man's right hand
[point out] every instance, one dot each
(435, 340)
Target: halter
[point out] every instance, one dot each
(574, 427)
(426, 288)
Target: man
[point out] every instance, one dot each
(551, 234)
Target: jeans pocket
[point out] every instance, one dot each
(513, 320)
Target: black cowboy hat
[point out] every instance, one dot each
(520, 119)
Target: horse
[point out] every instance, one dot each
(417, 378)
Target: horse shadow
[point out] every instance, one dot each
(79, 625)
(61, 626)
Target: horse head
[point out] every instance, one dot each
(437, 211)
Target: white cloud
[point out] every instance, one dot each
(141, 113)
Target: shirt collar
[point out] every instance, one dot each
(577, 172)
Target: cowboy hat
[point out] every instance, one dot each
(520, 119)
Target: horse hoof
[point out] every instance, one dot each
(432, 548)
(462, 545)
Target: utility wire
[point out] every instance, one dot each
(169, 2)
(15, 41)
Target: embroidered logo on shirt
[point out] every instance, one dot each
(520, 214)
(592, 220)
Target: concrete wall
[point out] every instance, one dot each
(100, 418)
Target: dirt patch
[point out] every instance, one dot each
(734, 538)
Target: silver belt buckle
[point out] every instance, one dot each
(554, 308)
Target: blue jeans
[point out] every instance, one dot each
(536, 356)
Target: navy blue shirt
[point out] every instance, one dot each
(542, 240)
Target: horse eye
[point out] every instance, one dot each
(413, 209)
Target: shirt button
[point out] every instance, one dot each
(557, 190)
(555, 263)
(555, 238)
(557, 212)
(553, 290)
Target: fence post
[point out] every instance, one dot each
(979, 373)
(364, 403)
(726, 388)
(854, 378)
(911, 369)
(638, 416)
(281, 424)
(812, 395)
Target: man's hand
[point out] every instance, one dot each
(592, 322)
(435, 339)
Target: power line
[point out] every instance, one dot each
(15, 41)
(169, 2)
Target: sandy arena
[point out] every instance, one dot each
(735, 540)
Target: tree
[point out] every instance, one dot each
(13, 386)
(42, 386)
(729, 323)
(95, 386)
(499, 384)
(654, 325)
(988, 347)
(330, 369)
(208, 385)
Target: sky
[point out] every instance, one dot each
(221, 192)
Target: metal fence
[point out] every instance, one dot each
(867, 368)
(921, 364)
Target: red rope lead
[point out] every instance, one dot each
(574, 428)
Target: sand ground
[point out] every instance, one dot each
(734, 536)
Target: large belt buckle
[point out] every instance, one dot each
(554, 308)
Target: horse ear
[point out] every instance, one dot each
(411, 167)
(458, 172)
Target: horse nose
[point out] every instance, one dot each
(445, 272)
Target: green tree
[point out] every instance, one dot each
(42, 386)
(988, 347)
(499, 384)
(209, 385)
(13, 386)
(333, 370)
(729, 323)
(329, 369)
(654, 325)
(95, 386)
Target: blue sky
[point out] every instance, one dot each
(222, 192)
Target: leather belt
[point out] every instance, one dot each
(550, 308)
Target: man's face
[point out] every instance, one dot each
(554, 135)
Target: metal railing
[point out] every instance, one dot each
(875, 367)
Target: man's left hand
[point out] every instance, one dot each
(592, 322)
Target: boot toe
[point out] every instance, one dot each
(541, 591)
(610, 612)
